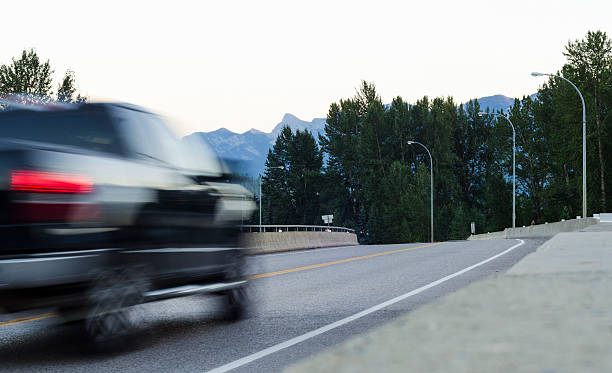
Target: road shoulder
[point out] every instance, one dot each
(550, 313)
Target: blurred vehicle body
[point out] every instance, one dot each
(104, 196)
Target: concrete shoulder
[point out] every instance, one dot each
(550, 313)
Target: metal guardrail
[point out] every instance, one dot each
(294, 228)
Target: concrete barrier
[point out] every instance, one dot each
(550, 229)
(540, 230)
(605, 217)
(489, 236)
(269, 242)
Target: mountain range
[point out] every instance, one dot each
(248, 151)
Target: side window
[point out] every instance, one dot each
(149, 138)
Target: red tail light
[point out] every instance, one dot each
(49, 182)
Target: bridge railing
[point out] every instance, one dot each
(294, 228)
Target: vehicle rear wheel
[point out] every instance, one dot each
(109, 316)
(237, 303)
(237, 300)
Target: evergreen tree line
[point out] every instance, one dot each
(374, 181)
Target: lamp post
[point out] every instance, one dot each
(513, 164)
(431, 187)
(584, 183)
(260, 195)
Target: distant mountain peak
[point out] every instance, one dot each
(495, 96)
(221, 131)
(289, 117)
(250, 148)
(254, 131)
(314, 126)
(494, 102)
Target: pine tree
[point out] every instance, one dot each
(305, 163)
(291, 193)
(589, 66)
(276, 196)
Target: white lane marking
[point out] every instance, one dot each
(293, 341)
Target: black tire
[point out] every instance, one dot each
(237, 303)
(109, 318)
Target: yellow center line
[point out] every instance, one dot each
(326, 264)
(27, 319)
(262, 275)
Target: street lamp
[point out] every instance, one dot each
(260, 196)
(431, 185)
(584, 183)
(513, 164)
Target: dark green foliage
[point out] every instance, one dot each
(27, 75)
(305, 162)
(375, 182)
(589, 66)
(67, 88)
(32, 78)
(291, 195)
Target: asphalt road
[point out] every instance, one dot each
(296, 294)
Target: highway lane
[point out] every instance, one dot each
(303, 291)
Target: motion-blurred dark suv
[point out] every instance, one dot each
(102, 207)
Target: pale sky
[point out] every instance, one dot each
(243, 64)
